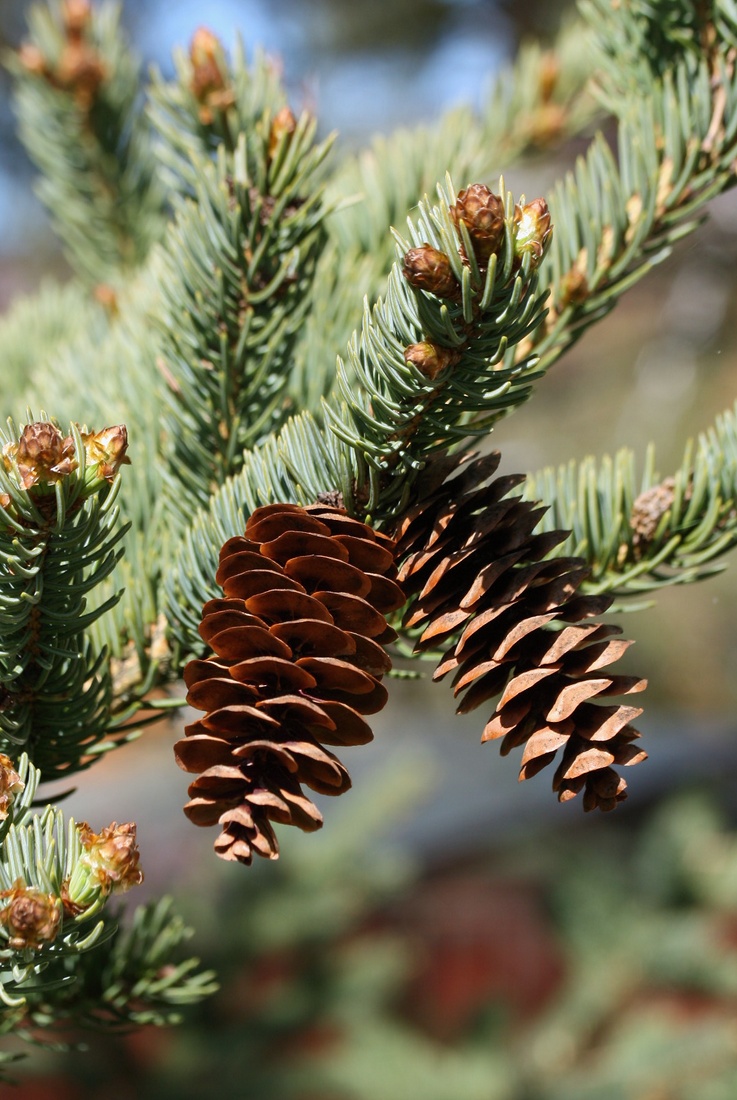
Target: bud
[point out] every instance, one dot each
(30, 917)
(482, 212)
(105, 451)
(32, 60)
(209, 83)
(430, 359)
(41, 456)
(283, 124)
(108, 865)
(11, 785)
(426, 268)
(548, 74)
(76, 16)
(80, 71)
(532, 230)
(112, 856)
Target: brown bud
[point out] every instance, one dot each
(430, 359)
(209, 84)
(532, 230)
(107, 296)
(426, 268)
(11, 784)
(80, 71)
(112, 856)
(42, 455)
(32, 60)
(106, 450)
(30, 917)
(76, 16)
(548, 74)
(482, 212)
(283, 125)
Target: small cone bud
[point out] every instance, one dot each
(209, 84)
(429, 358)
(282, 125)
(76, 15)
(109, 865)
(81, 72)
(42, 455)
(106, 451)
(482, 212)
(30, 917)
(548, 75)
(11, 785)
(426, 268)
(533, 230)
(32, 60)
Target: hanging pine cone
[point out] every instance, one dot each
(517, 627)
(298, 658)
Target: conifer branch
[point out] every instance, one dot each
(642, 533)
(59, 539)
(617, 217)
(235, 276)
(78, 103)
(212, 102)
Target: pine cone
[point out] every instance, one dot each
(298, 659)
(517, 626)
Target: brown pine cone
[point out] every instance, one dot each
(516, 625)
(298, 658)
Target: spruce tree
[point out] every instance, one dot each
(259, 458)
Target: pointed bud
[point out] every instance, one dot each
(209, 83)
(76, 16)
(532, 230)
(426, 268)
(430, 359)
(80, 71)
(32, 60)
(106, 452)
(108, 865)
(283, 125)
(30, 917)
(11, 785)
(112, 856)
(482, 212)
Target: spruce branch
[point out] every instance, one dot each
(536, 103)
(212, 102)
(78, 103)
(642, 533)
(426, 371)
(616, 217)
(59, 536)
(235, 280)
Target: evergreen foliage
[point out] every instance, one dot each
(271, 333)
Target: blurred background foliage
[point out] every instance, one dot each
(463, 941)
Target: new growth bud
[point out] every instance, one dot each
(426, 268)
(532, 230)
(11, 785)
(430, 358)
(482, 212)
(42, 455)
(106, 452)
(209, 84)
(108, 865)
(30, 917)
(283, 125)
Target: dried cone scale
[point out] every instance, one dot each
(517, 627)
(298, 658)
